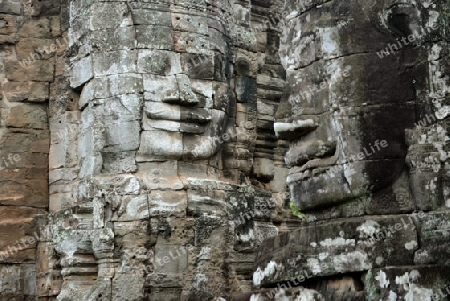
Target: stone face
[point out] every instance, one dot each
(217, 150)
(329, 98)
(363, 146)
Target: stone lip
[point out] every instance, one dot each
(309, 152)
(188, 120)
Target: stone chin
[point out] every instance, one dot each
(327, 186)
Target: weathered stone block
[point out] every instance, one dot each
(157, 175)
(355, 246)
(116, 62)
(134, 208)
(9, 29)
(27, 191)
(160, 89)
(102, 288)
(190, 42)
(158, 62)
(81, 72)
(206, 200)
(170, 259)
(27, 116)
(419, 283)
(167, 203)
(18, 231)
(18, 281)
(11, 7)
(127, 287)
(122, 136)
(198, 66)
(115, 85)
(189, 23)
(217, 41)
(39, 28)
(210, 230)
(35, 48)
(168, 294)
(32, 144)
(263, 231)
(29, 91)
(114, 39)
(119, 162)
(60, 201)
(39, 71)
(154, 37)
(107, 15)
(263, 168)
(434, 229)
(87, 94)
(151, 147)
(50, 8)
(144, 16)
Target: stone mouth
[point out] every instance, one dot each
(302, 152)
(183, 116)
(310, 168)
(197, 117)
(193, 127)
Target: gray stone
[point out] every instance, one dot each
(197, 150)
(82, 72)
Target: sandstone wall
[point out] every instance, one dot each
(31, 56)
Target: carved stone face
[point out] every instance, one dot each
(186, 91)
(349, 104)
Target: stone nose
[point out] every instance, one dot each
(180, 92)
(187, 96)
(294, 130)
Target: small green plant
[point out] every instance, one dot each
(295, 211)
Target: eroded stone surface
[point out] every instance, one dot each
(364, 114)
(150, 166)
(143, 153)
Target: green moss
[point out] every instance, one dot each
(295, 211)
(371, 289)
